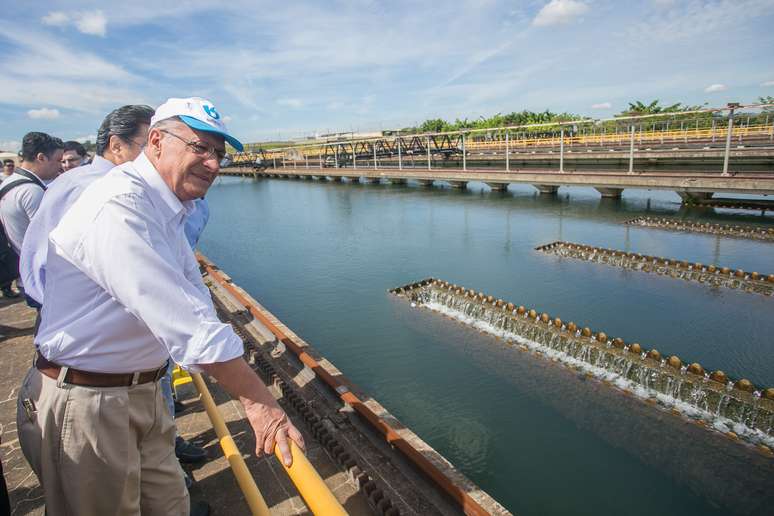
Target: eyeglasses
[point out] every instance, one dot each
(200, 150)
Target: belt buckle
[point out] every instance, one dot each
(135, 378)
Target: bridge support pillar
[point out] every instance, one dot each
(371, 180)
(425, 182)
(694, 197)
(547, 189)
(460, 185)
(498, 187)
(609, 193)
(397, 181)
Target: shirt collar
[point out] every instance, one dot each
(162, 195)
(101, 164)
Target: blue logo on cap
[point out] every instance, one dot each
(210, 110)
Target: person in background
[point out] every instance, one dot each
(123, 293)
(119, 139)
(74, 155)
(22, 192)
(8, 167)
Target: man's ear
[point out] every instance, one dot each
(154, 141)
(115, 144)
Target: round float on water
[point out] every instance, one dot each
(544, 317)
(618, 342)
(739, 273)
(571, 327)
(509, 307)
(635, 348)
(770, 278)
(558, 323)
(520, 310)
(696, 369)
(711, 268)
(768, 393)
(754, 276)
(586, 332)
(654, 354)
(533, 314)
(744, 385)
(725, 270)
(719, 376)
(602, 337)
(675, 362)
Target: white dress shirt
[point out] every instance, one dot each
(123, 290)
(17, 208)
(61, 194)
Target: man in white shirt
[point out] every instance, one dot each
(123, 293)
(20, 196)
(119, 139)
(41, 156)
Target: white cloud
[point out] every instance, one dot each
(10, 145)
(64, 77)
(56, 18)
(87, 22)
(602, 105)
(87, 138)
(43, 113)
(292, 103)
(227, 119)
(712, 88)
(767, 83)
(559, 12)
(93, 23)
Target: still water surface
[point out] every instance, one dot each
(537, 437)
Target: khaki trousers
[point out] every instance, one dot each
(101, 451)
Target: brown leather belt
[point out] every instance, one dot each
(89, 379)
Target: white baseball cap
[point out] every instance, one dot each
(197, 113)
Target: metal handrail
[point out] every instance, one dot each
(644, 136)
(308, 482)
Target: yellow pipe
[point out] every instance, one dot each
(308, 482)
(315, 493)
(245, 480)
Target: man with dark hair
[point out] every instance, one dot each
(8, 166)
(74, 155)
(22, 192)
(119, 139)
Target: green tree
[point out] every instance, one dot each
(433, 125)
(640, 108)
(767, 100)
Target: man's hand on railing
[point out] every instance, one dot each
(270, 423)
(271, 426)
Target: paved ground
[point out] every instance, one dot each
(214, 480)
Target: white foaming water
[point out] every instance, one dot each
(719, 423)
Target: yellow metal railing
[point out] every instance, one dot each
(308, 482)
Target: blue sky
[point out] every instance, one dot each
(294, 68)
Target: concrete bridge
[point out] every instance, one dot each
(691, 186)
